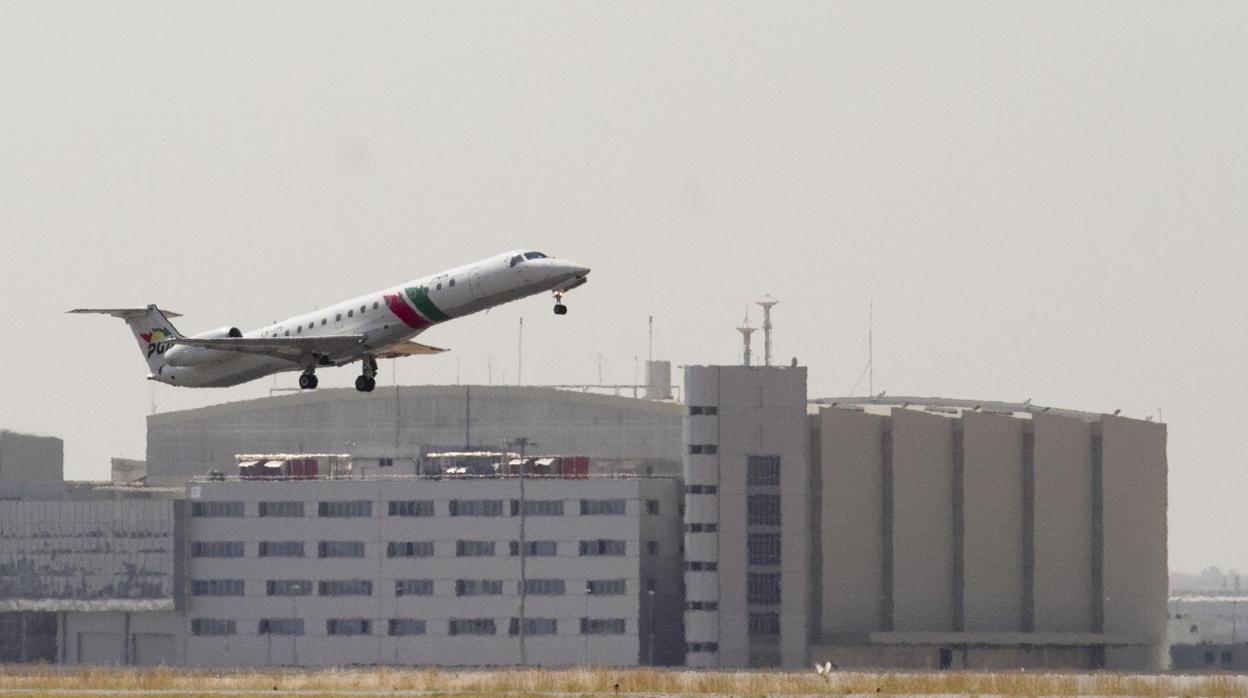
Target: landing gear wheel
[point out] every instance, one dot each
(365, 384)
(561, 309)
(308, 381)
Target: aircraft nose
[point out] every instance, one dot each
(575, 268)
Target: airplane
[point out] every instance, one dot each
(374, 326)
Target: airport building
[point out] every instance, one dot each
(747, 525)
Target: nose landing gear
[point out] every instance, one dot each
(560, 308)
(368, 380)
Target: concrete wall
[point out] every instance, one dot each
(923, 530)
(993, 545)
(31, 458)
(116, 638)
(1063, 525)
(1133, 471)
(852, 526)
(193, 442)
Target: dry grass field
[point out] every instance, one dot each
(606, 681)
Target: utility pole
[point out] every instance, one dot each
(871, 348)
(520, 357)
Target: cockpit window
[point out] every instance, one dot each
(516, 260)
(534, 255)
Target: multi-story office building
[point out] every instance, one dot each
(420, 571)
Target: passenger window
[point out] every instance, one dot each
(452, 282)
(323, 321)
(287, 333)
(311, 325)
(375, 305)
(339, 317)
(439, 285)
(351, 312)
(299, 329)
(362, 308)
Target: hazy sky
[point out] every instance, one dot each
(1044, 200)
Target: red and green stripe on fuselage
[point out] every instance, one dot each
(421, 313)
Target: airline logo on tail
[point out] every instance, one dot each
(156, 335)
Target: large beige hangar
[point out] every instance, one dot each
(964, 534)
(619, 434)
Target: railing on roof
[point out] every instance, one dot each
(371, 477)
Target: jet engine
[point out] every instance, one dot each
(181, 355)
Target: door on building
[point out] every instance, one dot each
(102, 649)
(155, 649)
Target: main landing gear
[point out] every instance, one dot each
(366, 382)
(560, 308)
(307, 380)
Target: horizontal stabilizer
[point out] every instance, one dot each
(401, 349)
(124, 313)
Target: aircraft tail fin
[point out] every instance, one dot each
(151, 328)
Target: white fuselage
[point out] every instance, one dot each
(384, 318)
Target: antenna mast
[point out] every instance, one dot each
(871, 348)
(746, 330)
(520, 353)
(767, 302)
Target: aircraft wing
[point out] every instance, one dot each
(401, 349)
(290, 348)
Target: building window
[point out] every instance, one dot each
(764, 624)
(602, 507)
(340, 548)
(474, 548)
(763, 510)
(345, 509)
(701, 605)
(764, 548)
(216, 548)
(652, 547)
(348, 626)
(212, 626)
(696, 566)
(534, 626)
(538, 507)
(287, 509)
(288, 587)
(695, 410)
(281, 626)
(413, 587)
(216, 587)
(605, 587)
(762, 589)
(708, 449)
(763, 470)
(345, 587)
(478, 587)
(541, 548)
(411, 507)
(602, 626)
(701, 528)
(281, 548)
(470, 626)
(384, 462)
(701, 489)
(410, 549)
(400, 627)
(476, 507)
(543, 587)
(206, 509)
(702, 647)
(652, 507)
(601, 547)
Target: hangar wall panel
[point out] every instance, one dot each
(852, 525)
(1135, 580)
(923, 539)
(992, 547)
(1063, 525)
